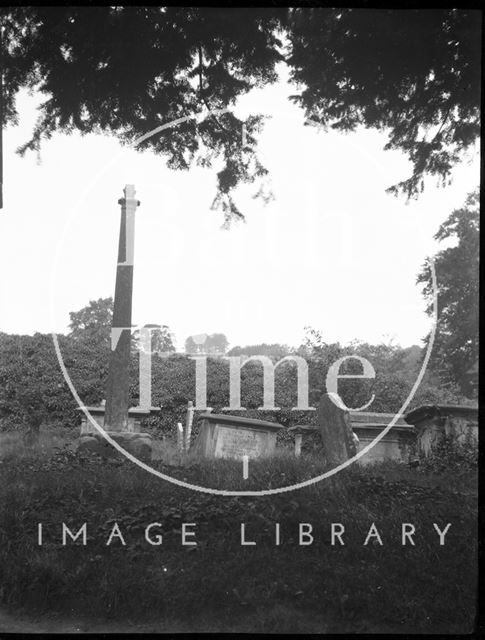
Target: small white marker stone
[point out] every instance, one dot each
(245, 467)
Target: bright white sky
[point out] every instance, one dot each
(332, 251)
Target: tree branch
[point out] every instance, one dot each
(201, 91)
(443, 122)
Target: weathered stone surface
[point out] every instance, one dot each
(234, 443)
(118, 382)
(225, 436)
(335, 429)
(397, 444)
(434, 422)
(138, 444)
(135, 416)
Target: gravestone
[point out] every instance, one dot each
(397, 444)
(335, 429)
(435, 422)
(224, 436)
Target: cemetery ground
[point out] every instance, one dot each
(220, 585)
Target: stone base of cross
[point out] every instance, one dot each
(132, 440)
(138, 444)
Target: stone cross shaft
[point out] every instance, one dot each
(118, 383)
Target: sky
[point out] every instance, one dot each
(332, 251)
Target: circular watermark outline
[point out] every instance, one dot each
(224, 492)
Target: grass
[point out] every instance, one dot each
(219, 584)
(13, 446)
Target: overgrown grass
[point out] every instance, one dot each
(421, 588)
(13, 445)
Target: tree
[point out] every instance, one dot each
(196, 343)
(161, 339)
(457, 269)
(32, 389)
(92, 322)
(213, 344)
(274, 350)
(126, 70)
(396, 369)
(216, 343)
(414, 74)
(89, 347)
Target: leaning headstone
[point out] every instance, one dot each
(335, 429)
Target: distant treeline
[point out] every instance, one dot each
(33, 389)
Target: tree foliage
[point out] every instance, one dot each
(274, 350)
(212, 344)
(414, 74)
(32, 389)
(93, 322)
(161, 340)
(217, 343)
(128, 70)
(457, 275)
(396, 370)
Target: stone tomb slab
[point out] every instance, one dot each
(223, 436)
(397, 444)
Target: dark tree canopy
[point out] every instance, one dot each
(127, 70)
(457, 274)
(414, 74)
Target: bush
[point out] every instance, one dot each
(451, 455)
(31, 382)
